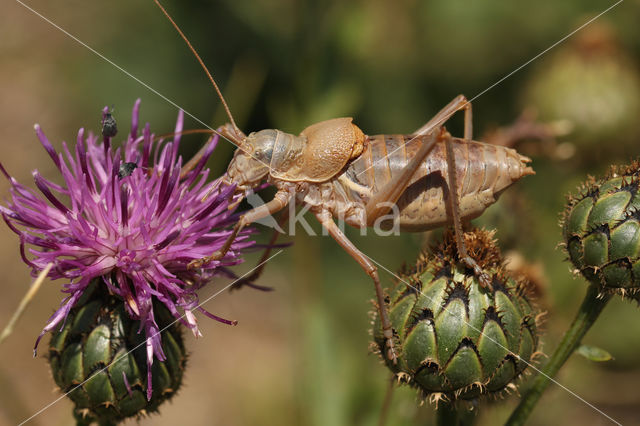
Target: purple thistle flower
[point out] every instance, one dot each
(124, 215)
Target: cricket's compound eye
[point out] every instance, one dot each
(251, 162)
(259, 145)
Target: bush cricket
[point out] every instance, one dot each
(429, 178)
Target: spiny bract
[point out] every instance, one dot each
(457, 340)
(601, 228)
(99, 358)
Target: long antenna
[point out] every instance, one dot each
(233, 140)
(204, 67)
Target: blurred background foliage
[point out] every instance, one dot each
(299, 355)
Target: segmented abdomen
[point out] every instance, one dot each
(483, 172)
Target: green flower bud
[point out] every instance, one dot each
(601, 228)
(98, 333)
(592, 82)
(454, 338)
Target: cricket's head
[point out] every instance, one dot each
(251, 161)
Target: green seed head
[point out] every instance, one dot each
(601, 229)
(593, 83)
(98, 333)
(456, 339)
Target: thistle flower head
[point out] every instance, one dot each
(124, 215)
(601, 227)
(455, 339)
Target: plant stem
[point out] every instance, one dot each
(25, 302)
(384, 413)
(447, 415)
(589, 311)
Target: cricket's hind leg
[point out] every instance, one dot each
(457, 104)
(454, 205)
(379, 204)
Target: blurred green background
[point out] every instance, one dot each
(299, 355)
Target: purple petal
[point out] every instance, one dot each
(137, 233)
(45, 191)
(135, 116)
(47, 145)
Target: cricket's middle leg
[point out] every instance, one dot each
(326, 220)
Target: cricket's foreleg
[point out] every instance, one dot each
(280, 200)
(459, 103)
(249, 280)
(382, 200)
(454, 204)
(327, 222)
